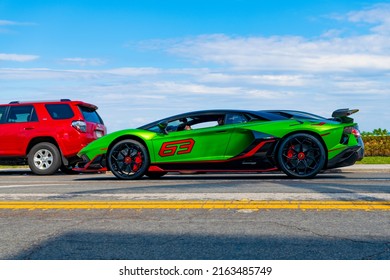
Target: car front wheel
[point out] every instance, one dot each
(128, 159)
(44, 159)
(301, 155)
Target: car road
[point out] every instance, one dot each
(223, 233)
(22, 185)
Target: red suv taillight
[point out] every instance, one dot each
(81, 126)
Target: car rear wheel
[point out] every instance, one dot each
(128, 159)
(301, 155)
(44, 159)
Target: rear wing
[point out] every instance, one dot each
(341, 115)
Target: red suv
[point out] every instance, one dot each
(47, 135)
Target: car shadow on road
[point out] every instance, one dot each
(16, 171)
(84, 245)
(210, 177)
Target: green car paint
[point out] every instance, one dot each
(252, 144)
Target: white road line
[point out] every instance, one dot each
(199, 196)
(29, 185)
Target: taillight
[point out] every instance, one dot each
(81, 126)
(352, 130)
(356, 132)
(348, 131)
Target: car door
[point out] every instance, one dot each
(199, 144)
(3, 130)
(17, 125)
(241, 137)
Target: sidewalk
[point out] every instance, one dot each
(363, 168)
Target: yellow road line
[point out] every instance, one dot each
(201, 204)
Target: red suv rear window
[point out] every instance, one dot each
(90, 115)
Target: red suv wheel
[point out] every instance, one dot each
(44, 159)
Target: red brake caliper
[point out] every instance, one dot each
(290, 152)
(137, 162)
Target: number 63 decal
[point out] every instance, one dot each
(176, 148)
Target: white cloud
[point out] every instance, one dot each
(132, 71)
(286, 53)
(336, 69)
(7, 22)
(17, 57)
(109, 75)
(45, 74)
(256, 79)
(332, 51)
(378, 15)
(84, 61)
(5, 25)
(10, 22)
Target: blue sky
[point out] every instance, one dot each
(143, 60)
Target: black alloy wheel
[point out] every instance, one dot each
(128, 159)
(301, 156)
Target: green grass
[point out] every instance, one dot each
(13, 166)
(374, 160)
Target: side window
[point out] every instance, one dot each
(175, 125)
(233, 118)
(59, 111)
(2, 113)
(18, 114)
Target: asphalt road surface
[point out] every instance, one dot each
(64, 231)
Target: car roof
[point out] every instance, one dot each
(296, 114)
(60, 101)
(260, 114)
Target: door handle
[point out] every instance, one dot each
(29, 128)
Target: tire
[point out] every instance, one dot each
(44, 159)
(301, 156)
(128, 159)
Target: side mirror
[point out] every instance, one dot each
(163, 127)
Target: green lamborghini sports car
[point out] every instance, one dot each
(298, 143)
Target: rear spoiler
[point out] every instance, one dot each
(341, 115)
